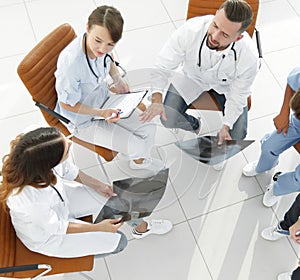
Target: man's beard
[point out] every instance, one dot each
(209, 45)
(214, 47)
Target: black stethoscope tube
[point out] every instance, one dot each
(201, 46)
(104, 62)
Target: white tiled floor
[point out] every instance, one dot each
(216, 231)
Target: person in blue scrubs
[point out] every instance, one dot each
(286, 135)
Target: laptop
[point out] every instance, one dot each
(206, 149)
(136, 197)
(126, 102)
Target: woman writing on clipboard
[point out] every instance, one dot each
(83, 69)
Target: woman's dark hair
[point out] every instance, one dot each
(295, 104)
(238, 11)
(110, 18)
(31, 159)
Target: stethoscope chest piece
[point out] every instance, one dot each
(99, 80)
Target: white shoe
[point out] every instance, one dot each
(150, 164)
(285, 276)
(250, 169)
(269, 199)
(274, 233)
(154, 227)
(219, 166)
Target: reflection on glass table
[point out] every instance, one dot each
(206, 149)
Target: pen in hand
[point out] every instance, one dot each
(112, 116)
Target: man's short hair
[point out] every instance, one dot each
(238, 11)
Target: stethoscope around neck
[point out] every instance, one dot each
(100, 79)
(223, 56)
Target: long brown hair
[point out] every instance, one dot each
(30, 160)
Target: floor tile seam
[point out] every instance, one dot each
(171, 20)
(30, 21)
(271, 71)
(286, 1)
(28, 1)
(263, 116)
(17, 115)
(293, 249)
(196, 243)
(188, 220)
(12, 55)
(278, 50)
(178, 197)
(12, 4)
(293, 8)
(178, 200)
(200, 251)
(214, 210)
(107, 268)
(262, 187)
(147, 26)
(224, 207)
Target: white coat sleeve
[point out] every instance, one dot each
(240, 87)
(169, 58)
(68, 79)
(37, 222)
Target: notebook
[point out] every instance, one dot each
(206, 148)
(136, 197)
(126, 102)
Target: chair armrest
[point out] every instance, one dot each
(258, 43)
(47, 268)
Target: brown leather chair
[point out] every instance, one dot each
(14, 254)
(207, 7)
(36, 71)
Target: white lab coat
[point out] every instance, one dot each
(41, 218)
(219, 70)
(75, 83)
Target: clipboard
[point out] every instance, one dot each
(126, 102)
(136, 197)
